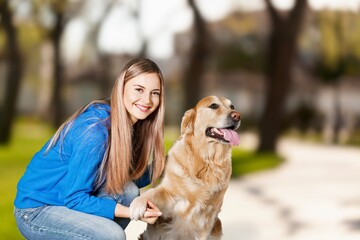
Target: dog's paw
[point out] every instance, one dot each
(137, 208)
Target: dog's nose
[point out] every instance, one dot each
(235, 115)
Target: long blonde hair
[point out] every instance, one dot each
(130, 146)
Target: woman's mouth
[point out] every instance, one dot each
(142, 108)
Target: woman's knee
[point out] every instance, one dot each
(131, 191)
(102, 229)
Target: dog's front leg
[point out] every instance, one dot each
(139, 205)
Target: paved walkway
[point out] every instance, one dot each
(315, 195)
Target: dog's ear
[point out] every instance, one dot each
(187, 122)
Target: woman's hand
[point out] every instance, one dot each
(151, 214)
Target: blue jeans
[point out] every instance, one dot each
(59, 222)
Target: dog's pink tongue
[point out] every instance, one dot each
(231, 136)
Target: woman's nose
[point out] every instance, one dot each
(147, 98)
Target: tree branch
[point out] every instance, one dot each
(274, 15)
(296, 14)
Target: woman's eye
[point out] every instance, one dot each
(156, 93)
(140, 90)
(214, 106)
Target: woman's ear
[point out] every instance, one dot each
(187, 122)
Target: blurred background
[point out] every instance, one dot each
(291, 67)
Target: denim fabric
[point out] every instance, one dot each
(59, 222)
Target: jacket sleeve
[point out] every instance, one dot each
(87, 147)
(144, 180)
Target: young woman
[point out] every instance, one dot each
(81, 183)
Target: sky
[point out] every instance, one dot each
(131, 23)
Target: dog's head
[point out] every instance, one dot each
(215, 117)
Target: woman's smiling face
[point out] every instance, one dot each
(142, 96)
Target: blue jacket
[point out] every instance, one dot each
(65, 175)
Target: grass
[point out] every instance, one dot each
(246, 162)
(30, 135)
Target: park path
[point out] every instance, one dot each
(314, 195)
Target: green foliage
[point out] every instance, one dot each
(329, 66)
(339, 49)
(30, 36)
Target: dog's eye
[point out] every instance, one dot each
(232, 107)
(214, 106)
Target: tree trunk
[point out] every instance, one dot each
(56, 102)
(282, 50)
(13, 73)
(199, 54)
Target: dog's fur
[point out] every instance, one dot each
(196, 176)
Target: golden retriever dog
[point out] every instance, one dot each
(196, 176)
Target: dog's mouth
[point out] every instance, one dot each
(226, 135)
